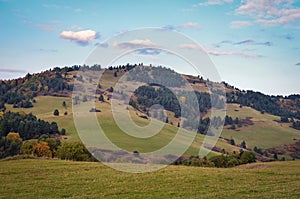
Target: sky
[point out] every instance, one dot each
(254, 44)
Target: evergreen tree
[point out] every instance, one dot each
(243, 144)
(64, 104)
(56, 112)
(101, 98)
(232, 142)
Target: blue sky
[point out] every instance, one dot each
(254, 44)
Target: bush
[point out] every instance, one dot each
(247, 157)
(63, 132)
(56, 112)
(73, 151)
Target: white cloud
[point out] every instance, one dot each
(190, 46)
(83, 37)
(45, 27)
(191, 25)
(10, 70)
(240, 24)
(137, 43)
(213, 2)
(243, 54)
(218, 53)
(270, 12)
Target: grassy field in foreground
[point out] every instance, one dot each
(63, 179)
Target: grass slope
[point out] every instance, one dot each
(265, 133)
(45, 105)
(63, 179)
(44, 108)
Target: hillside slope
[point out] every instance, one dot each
(264, 131)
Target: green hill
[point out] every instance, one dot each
(264, 131)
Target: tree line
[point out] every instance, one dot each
(27, 125)
(43, 147)
(266, 103)
(220, 161)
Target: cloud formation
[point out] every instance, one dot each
(46, 27)
(270, 12)
(252, 42)
(240, 24)
(298, 64)
(82, 38)
(191, 25)
(244, 42)
(187, 25)
(9, 70)
(214, 2)
(149, 51)
(137, 43)
(218, 53)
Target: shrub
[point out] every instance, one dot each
(56, 112)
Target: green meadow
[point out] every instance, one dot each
(266, 131)
(41, 178)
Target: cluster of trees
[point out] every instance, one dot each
(296, 125)
(27, 125)
(54, 148)
(126, 67)
(84, 67)
(149, 95)
(20, 92)
(156, 75)
(243, 143)
(9, 95)
(146, 96)
(265, 103)
(44, 146)
(220, 161)
(233, 123)
(10, 145)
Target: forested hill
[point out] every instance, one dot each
(59, 82)
(54, 82)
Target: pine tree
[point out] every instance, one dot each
(56, 112)
(243, 144)
(101, 98)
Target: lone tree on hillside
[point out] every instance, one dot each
(56, 112)
(243, 144)
(101, 98)
(232, 142)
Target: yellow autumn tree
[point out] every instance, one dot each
(14, 137)
(42, 149)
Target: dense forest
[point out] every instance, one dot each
(277, 105)
(56, 82)
(156, 75)
(146, 96)
(27, 125)
(18, 127)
